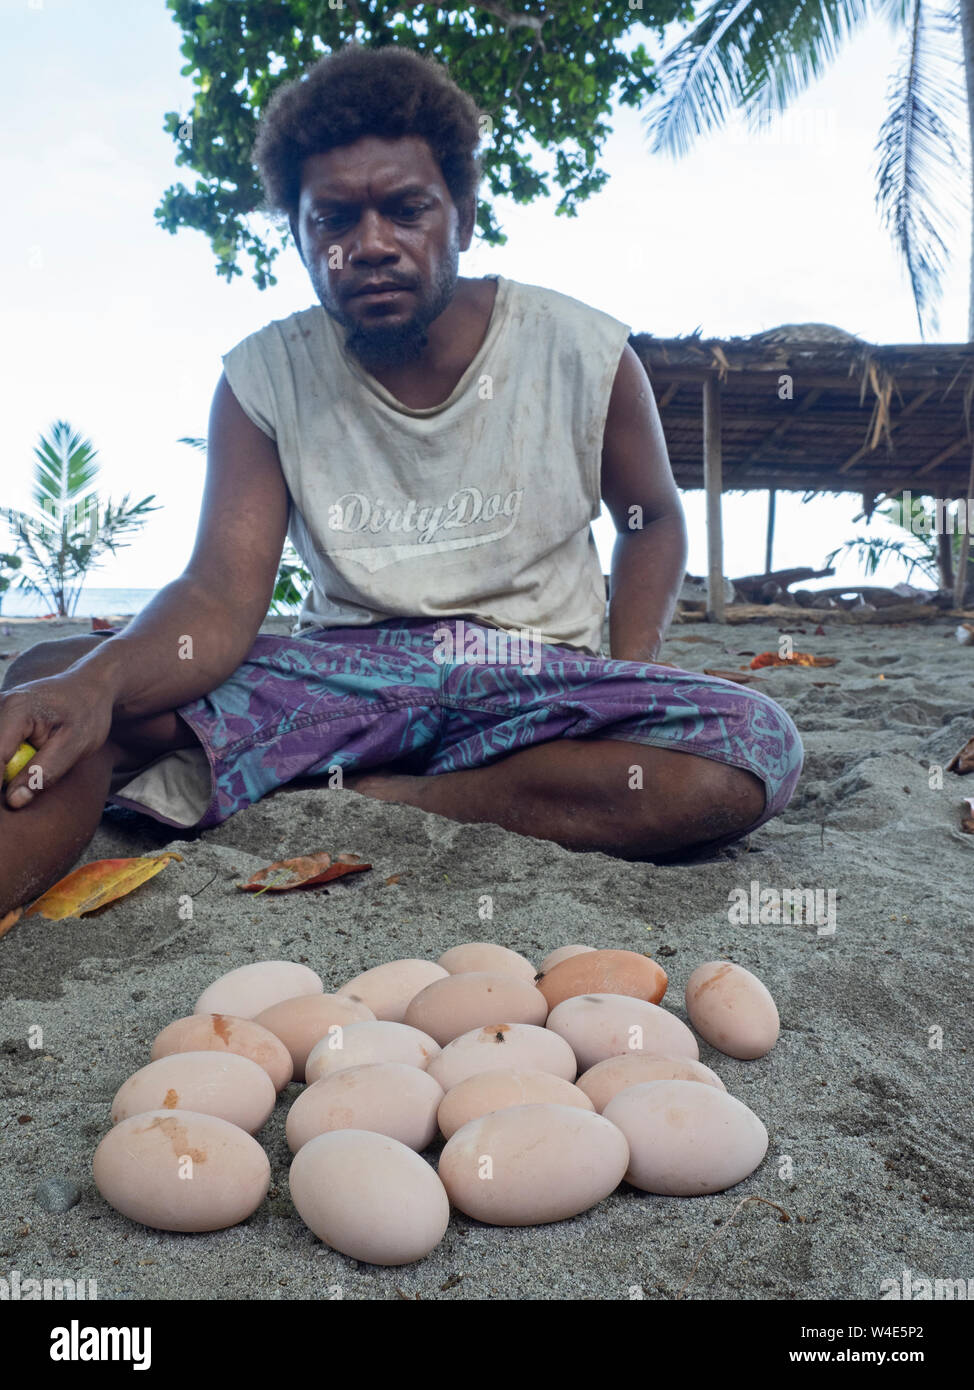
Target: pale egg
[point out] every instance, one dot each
(604, 972)
(686, 1139)
(533, 1164)
(385, 1097)
(449, 1007)
(501, 1090)
(224, 1033)
(732, 1010)
(486, 956)
(369, 1197)
(176, 1170)
(387, 989)
(556, 957)
(372, 1041)
(523, 1046)
(302, 1022)
(206, 1083)
(597, 1026)
(244, 992)
(606, 1079)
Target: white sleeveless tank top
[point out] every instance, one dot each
(478, 507)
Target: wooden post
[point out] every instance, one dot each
(713, 484)
(960, 577)
(769, 539)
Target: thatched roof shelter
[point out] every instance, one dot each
(811, 408)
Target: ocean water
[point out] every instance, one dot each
(93, 602)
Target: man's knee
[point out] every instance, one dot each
(715, 802)
(50, 658)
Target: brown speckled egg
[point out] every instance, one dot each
(556, 957)
(369, 1197)
(604, 972)
(176, 1170)
(224, 1033)
(486, 956)
(606, 1079)
(246, 991)
(732, 1010)
(384, 1097)
(597, 1026)
(305, 1020)
(500, 1090)
(387, 989)
(207, 1083)
(371, 1041)
(449, 1007)
(523, 1046)
(686, 1139)
(532, 1164)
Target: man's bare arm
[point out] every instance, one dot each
(199, 628)
(650, 554)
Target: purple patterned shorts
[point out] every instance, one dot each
(395, 693)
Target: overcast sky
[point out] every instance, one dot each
(117, 327)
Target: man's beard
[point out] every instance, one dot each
(379, 344)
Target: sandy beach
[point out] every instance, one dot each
(866, 1095)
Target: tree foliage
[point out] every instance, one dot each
(758, 56)
(546, 77)
(70, 531)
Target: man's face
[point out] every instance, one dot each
(381, 239)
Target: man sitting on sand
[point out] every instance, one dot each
(436, 448)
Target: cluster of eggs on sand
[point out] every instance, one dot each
(549, 1090)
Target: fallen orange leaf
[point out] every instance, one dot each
(796, 659)
(93, 885)
(303, 872)
(11, 919)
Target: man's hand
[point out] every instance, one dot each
(650, 555)
(65, 717)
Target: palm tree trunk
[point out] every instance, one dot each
(967, 32)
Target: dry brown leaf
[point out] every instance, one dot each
(963, 760)
(796, 659)
(303, 872)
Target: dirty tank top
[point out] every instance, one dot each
(480, 506)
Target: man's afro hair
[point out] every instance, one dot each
(388, 92)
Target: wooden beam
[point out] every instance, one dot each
(942, 457)
(904, 414)
(769, 537)
(782, 427)
(766, 378)
(668, 394)
(713, 484)
(960, 577)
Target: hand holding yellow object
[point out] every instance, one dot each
(20, 759)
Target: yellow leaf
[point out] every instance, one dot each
(93, 885)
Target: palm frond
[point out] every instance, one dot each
(193, 443)
(742, 54)
(918, 159)
(65, 469)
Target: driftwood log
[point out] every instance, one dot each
(751, 586)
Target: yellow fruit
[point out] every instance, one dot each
(20, 759)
